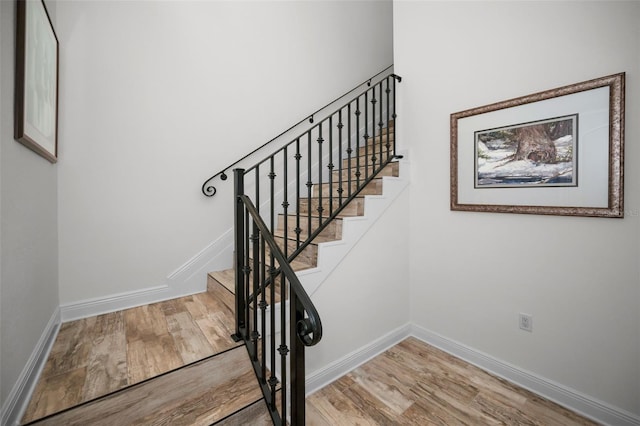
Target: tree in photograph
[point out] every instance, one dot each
(535, 144)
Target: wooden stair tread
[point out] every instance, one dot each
(95, 356)
(198, 394)
(256, 414)
(291, 237)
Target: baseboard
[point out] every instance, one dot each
(116, 302)
(349, 362)
(190, 278)
(18, 399)
(585, 405)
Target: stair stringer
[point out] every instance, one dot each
(331, 253)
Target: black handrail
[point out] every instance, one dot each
(210, 190)
(310, 324)
(360, 137)
(361, 181)
(305, 325)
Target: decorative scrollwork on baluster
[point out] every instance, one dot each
(309, 331)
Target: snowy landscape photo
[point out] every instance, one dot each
(537, 154)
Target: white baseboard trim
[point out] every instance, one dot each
(14, 407)
(585, 405)
(190, 278)
(116, 302)
(351, 361)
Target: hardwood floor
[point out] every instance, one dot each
(409, 384)
(95, 356)
(416, 384)
(198, 395)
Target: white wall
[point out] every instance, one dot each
(472, 273)
(366, 297)
(28, 229)
(157, 96)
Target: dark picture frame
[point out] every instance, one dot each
(516, 156)
(36, 85)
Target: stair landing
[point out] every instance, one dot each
(178, 352)
(198, 394)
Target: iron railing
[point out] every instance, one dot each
(282, 204)
(208, 187)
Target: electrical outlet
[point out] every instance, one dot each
(526, 322)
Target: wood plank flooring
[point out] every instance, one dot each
(95, 356)
(409, 384)
(416, 384)
(197, 395)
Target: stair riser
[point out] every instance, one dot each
(268, 292)
(367, 160)
(333, 231)
(385, 136)
(354, 208)
(373, 188)
(370, 140)
(309, 254)
(368, 150)
(389, 170)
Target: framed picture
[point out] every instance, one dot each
(557, 152)
(36, 90)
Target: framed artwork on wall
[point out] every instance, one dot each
(36, 86)
(557, 152)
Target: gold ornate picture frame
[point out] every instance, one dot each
(557, 152)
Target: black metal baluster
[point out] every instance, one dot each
(272, 176)
(255, 238)
(297, 363)
(309, 184)
(255, 269)
(273, 380)
(263, 309)
(283, 350)
(258, 267)
(283, 284)
(330, 165)
(298, 157)
(349, 150)
(366, 136)
(239, 260)
(394, 116)
(388, 145)
(285, 202)
(340, 168)
(320, 141)
(357, 174)
(373, 129)
(247, 283)
(380, 124)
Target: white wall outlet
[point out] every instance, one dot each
(526, 322)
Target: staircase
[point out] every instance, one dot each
(220, 389)
(219, 386)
